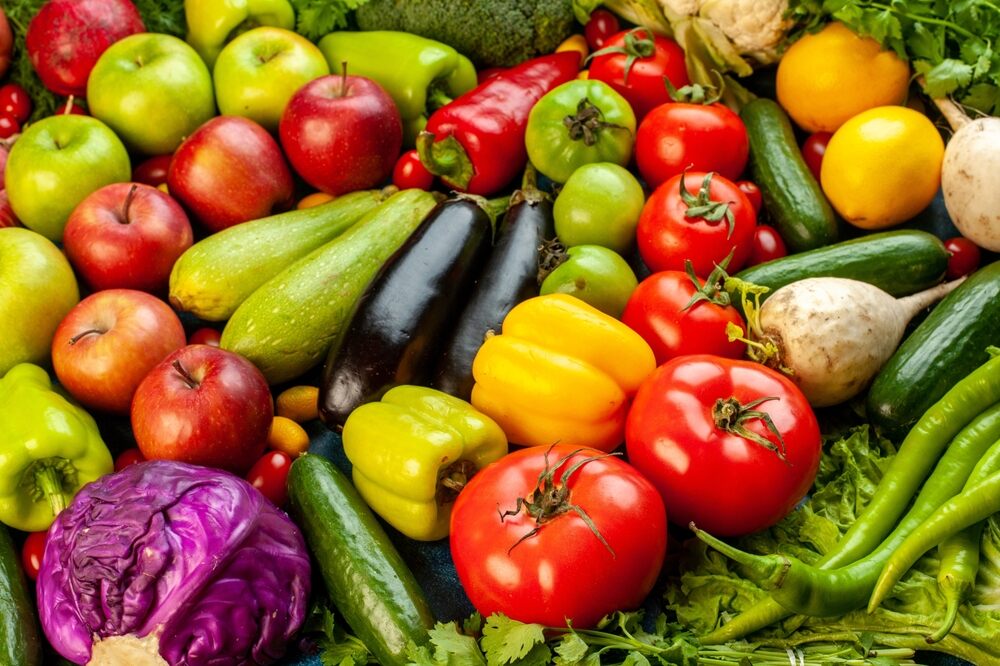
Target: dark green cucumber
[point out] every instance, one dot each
(20, 640)
(365, 576)
(792, 197)
(898, 262)
(943, 349)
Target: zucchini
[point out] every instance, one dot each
(365, 576)
(949, 344)
(897, 262)
(20, 641)
(792, 197)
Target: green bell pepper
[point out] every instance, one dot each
(419, 74)
(212, 23)
(414, 451)
(49, 449)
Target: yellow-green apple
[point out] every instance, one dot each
(127, 236)
(230, 171)
(56, 163)
(153, 90)
(206, 406)
(259, 71)
(342, 120)
(37, 289)
(108, 343)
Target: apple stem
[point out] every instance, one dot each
(343, 78)
(89, 331)
(69, 106)
(128, 202)
(185, 375)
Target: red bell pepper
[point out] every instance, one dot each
(476, 143)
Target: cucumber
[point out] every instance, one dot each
(20, 640)
(365, 576)
(897, 262)
(287, 325)
(949, 344)
(792, 197)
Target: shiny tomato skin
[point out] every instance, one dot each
(679, 136)
(269, 475)
(964, 257)
(410, 172)
(667, 238)
(813, 150)
(750, 189)
(206, 336)
(726, 484)
(656, 311)
(553, 575)
(767, 245)
(31, 553)
(128, 457)
(601, 26)
(644, 88)
(8, 126)
(15, 100)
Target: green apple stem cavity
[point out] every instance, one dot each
(50, 479)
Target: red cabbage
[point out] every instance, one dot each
(195, 557)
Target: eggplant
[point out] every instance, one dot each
(393, 335)
(509, 277)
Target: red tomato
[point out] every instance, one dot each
(8, 126)
(707, 472)
(753, 194)
(409, 172)
(679, 136)
(814, 149)
(602, 25)
(641, 83)
(205, 336)
(667, 237)
(767, 245)
(537, 567)
(657, 310)
(128, 457)
(269, 475)
(31, 554)
(964, 259)
(15, 100)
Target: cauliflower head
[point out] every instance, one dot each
(754, 27)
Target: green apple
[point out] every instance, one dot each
(37, 289)
(259, 71)
(153, 90)
(56, 163)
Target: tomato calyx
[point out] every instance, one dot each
(635, 47)
(712, 289)
(730, 415)
(703, 207)
(550, 499)
(551, 256)
(696, 93)
(454, 477)
(587, 122)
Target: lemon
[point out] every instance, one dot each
(883, 166)
(827, 77)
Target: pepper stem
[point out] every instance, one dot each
(587, 123)
(49, 481)
(768, 571)
(446, 158)
(950, 616)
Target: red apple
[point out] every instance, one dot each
(205, 336)
(206, 406)
(66, 37)
(126, 235)
(341, 133)
(107, 344)
(153, 171)
(7, 216)
(6, 43)
(230, 170)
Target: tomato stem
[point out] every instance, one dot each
(704, 207)
(731, 415)
(587, 123)
(711, 290)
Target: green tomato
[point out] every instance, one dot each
(580, 122)
(599, 205)
(595, 275)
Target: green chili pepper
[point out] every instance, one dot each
(212, 23)
(959, 556)
(49, 449)
(419, 74)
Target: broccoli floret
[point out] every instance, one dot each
(492, 33)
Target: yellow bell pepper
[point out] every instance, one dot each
(412, 453)
(560, 371)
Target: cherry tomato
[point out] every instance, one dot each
(667, 237)
(128, 457)
(750, 189)
(640, 82)
(8, 125)
(542, 567)
(767, 245)
(31, 554)
(602, 25)
(813, 150)
(687, 432)
(410, 173)
(679, 136)
(269, 475)
(658, 311)
(205, 336)
(964, 259)
(153, 171)
(15, 100)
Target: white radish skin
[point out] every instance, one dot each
(834, 334)
(970, 176)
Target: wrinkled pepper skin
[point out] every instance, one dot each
(419, 74)
(49, 449)
(561, 371)
(212, 23)
(413, 451)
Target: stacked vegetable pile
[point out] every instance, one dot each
(433, 333)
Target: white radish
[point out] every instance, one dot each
(833, 334)
(970, 175)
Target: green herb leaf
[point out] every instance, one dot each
(454, 648)
(506, 640)
(317, 18)
(946, 77)
(571, 649)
